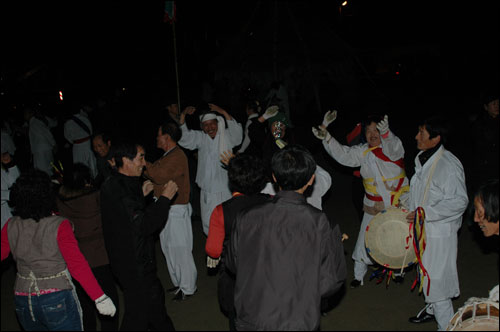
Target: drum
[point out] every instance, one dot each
(389, 239)
(477, 314)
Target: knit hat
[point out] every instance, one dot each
(281, 117)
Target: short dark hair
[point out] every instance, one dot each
(104, 136)
(488, 195)
(124, 149)
(78, 177)
(253, 105)
(437, 125)
(32, 196)
(293, 167)
(246, 174)
(172, 129)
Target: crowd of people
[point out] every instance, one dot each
(79, 232)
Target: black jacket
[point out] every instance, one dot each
(130, 228)
(286, 255)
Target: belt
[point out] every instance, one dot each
(374, 198)
(81, 140)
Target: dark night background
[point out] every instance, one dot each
(404, 58)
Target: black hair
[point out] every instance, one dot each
(488, 195)
(78, 177)
(172, 129)
(246, 174)
(32, 196)
(253, 105)
(124, 149)
(437, 126)
(293, 167)
(366, 122)
(105, 137)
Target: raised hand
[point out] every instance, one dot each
(321, 133)
(226, 156)
(329, 117)
(383, 126)
(270, 112)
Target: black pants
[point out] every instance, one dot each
(145, 306)
(106, 280)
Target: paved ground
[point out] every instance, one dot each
(371, 307)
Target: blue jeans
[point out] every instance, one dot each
(53, 312)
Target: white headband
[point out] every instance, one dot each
(208, 116)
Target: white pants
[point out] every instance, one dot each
(442, 311)
(208, 202)
(176, 241)
(42, 160)
(359, 255)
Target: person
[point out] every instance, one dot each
(79, 201)
(101, 144)
(278, 96)
(252, 109)
(285, 253)
(485, 147)
(213, 140)
(78, 132)
(382, 169)
(486, 215)
(176, 238)
(10, 172)
(438, 188)
(47, 257)
(129, 227)
(246, 181)
(42, 141)
(271, 132)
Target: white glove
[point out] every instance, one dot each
(212, 262)
(270, 112)
(383, 126)
(329, 117)
(321, 134)
(105, 306)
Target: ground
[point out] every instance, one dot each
(370, 307)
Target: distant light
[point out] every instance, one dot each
(60, 95)
(123, 89)
(344, 3)
(397, 73)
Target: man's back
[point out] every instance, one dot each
(286, 255)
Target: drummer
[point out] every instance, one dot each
(438, 187)
(486, 215)
(382, 169)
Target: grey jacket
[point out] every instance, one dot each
(286, 255)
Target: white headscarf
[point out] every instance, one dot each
(221, 129)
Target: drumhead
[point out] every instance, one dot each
(386, 236)
(477, 314)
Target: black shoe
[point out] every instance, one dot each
(355, 283)
(422, 318)
(173, 290)
(180, 296)
(399, 280)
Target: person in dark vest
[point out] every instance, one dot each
(79, 201)
(246, 181)
(47, 257)
(286, 254)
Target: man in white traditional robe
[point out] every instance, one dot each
(438, 187)
(211, 142)
(78, 131)
(42, 141)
